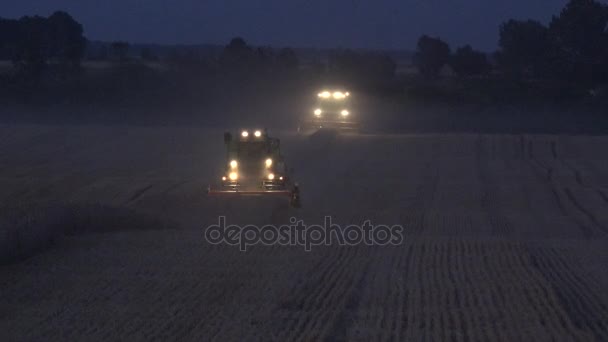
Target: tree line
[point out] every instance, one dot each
(573, 47)
(239, 58)
(32, 42)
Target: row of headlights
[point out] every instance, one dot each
(234, 164)
(257, 134)
(318, 112)
(338, 95)
(233, 176)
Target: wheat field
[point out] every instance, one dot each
(506, 239)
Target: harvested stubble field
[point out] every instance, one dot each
(506, 239)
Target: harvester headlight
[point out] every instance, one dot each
(224, 178)
(339, 95)
(257, 134)
(234, 164)
(344, 112)
(244, 134)
(233, 176)
(271, 176)
(318, 112)
(268, 162)
(281, 178)
(347, 94)
(324, 94)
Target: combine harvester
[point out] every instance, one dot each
(333, 111)
(255, 167)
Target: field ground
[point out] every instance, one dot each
(506, 239)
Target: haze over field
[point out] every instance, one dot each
(505, 239)
(471, 135)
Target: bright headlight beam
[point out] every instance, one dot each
(271, 176)
(257, 134)
(233, 176)
(344, 112)
(318, 112)
(324, 94)
(268, 162)
(234, 164)
(339, 95)
(245, 134)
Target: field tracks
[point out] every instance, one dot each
(585, 310)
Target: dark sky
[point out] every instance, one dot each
(304, 23)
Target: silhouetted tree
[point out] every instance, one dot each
(468, 62)
(524, 47)
(9, 34)
(237, 56)
(120, 50)
(32, 49)
(580, 35)
(31, 42)
(66, 40)
(432, 55)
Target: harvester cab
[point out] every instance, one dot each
(254, 166)
(332, 110)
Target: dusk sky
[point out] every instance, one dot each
(393, 24)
